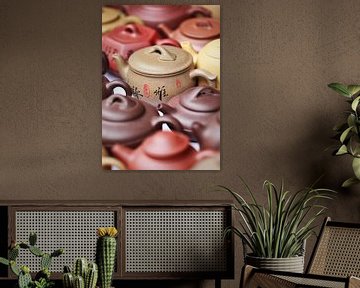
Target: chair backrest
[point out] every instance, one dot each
(337, 251)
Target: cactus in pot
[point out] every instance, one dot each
(106, 254)
(42, 278)
(85, 275)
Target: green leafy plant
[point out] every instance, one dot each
(279, 229)
(348, 133)
(42, 278)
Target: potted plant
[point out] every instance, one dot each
(275, 233)
(348, 132)
(42, 278)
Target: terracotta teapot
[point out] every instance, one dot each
(196, 104)
(126, 39)
(208, 58)
(127, 120)
(112, 18)
(164, 150)
(208, 135)
(198, 31)
(214, 9)
(108, 87)
(170, 15)
(158, 73)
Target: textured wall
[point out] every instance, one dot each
(277, 113)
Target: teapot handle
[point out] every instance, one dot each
(168, 41)
(164, 54)
(198, 10)
(173, 123)
(118, 83)
(131, 29)
(209, 77)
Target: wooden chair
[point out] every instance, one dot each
(335, 262)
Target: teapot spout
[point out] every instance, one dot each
(186, 45)
(122, 65)
(123, 153)
(166, 109)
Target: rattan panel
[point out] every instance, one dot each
(175, 241)
(338, 253)
(312, 282)
(75, 231)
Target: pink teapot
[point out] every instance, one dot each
(163, 150)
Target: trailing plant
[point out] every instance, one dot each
(348, 133)
(106, 254)
(42, 278)
(279, 229)
(84, 275)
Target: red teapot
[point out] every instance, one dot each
(197, 31)
(170, 15)
(196, 104)
(126, 39)
(164, 150)
(128, 121)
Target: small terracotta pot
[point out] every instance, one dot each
(112, 18)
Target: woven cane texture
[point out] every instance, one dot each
(175, 241)
(300, 282)
(75, 231)
(338, 252)
(263, 280)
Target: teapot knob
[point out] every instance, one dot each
(164, 54)
(173, 123)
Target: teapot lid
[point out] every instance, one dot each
(201, 28)
(160, 60)
(201, 99)
(212, 49)
(131, 33)
(119, 108)
(109, 15)
(164, 144)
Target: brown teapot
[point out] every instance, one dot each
(170, 15)
(158, 73)
(208, 135)
(198, 31)
(196, 104)
(126, 39)
(128, 121)
(108, 87)
(164, 150)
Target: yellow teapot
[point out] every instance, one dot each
(112, 18)
(207, 59)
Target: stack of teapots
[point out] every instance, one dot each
(126, 39)
(158, 73)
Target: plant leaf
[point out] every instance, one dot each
(340, 88)
(342, 150)
(355, 103)
(349, 182)
(353, 89)
(345, 134)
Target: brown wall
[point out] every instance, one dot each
(277, 114)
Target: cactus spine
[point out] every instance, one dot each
(84, 276)
(106, 254)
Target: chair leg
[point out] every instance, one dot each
(217, 283)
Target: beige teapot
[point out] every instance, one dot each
(208, 58)
(112, 18)
(159, 72)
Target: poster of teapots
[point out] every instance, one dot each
(161, 87)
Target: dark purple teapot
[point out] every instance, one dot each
(208, 135)
(128, 121)
(196, 104)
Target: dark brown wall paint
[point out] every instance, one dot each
(277, 113)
